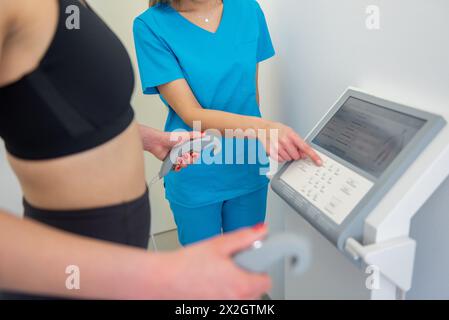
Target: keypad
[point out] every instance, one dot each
(332, 188)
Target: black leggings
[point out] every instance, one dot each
(127, 223)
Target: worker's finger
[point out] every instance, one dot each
(307, 149)
(291, 149)
(284, 155)
(187, 158)
(182, 163)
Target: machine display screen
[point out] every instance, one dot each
(368, 136)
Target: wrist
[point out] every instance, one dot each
(268, 125)
(149, 137)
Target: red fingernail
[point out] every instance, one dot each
(259, 227)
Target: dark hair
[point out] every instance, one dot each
(155, 2)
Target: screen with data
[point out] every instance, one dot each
(368, 136)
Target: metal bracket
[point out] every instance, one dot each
(394, 258)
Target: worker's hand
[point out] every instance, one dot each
(160, 144)
(288, 146)
(207, 271)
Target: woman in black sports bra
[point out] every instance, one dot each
(72, 140)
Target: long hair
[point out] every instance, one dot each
(155, 2)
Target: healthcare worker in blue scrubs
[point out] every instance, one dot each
(202, 57)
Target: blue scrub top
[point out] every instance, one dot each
(220, 68)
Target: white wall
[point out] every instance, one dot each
(429, 229)
(323, 47)
(10, 194)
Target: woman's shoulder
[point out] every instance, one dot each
(247, 4)
(247, 8)
(151, 15)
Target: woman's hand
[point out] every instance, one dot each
(160, 144)
(287, 145)
(207, 270)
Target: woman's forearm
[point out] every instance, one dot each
(181, 98)
(34, 259)
(220, 120)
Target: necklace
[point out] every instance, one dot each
(207, 18)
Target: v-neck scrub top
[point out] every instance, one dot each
(220, 68)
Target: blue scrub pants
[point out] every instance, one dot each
(197, 224)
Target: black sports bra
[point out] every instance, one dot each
(77, 99)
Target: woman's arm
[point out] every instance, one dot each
(289, 146)
(181, 98)
(34, 259)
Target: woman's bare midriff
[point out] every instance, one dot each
(110, 174)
